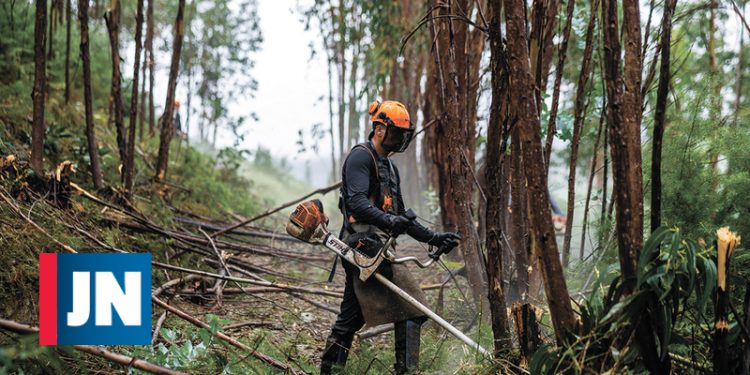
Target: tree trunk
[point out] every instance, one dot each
(165, 123)
(579, 114)
(740, 68)
(519, 230)
(496, 202)
(96, 172)
(51, 35)
(112, 18)
(624, 116)
(712, 65)
(429, 136)
(353, 128)
(592, 173)
(142, 103)
(40, 68)
(660, 113)
(341, 60)
(68, 17)
(189, 67)
(527, 330)
(745, 364)
(149, 45)
(726, 242)
(129, 167)
(439, 147)
(605, 171)
(544, 18)
(625, 142)
(334, 168)
(457, 140)
(406, 88)
(525, 113)
(562, 53)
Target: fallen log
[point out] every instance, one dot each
(195, 321)
(202, 242)
(375, 331)
(260, 234)
(232, 290)
(174, 282)
(98, 351)
(291, 288)
(252, 323)
(157, 327)
(142, 223)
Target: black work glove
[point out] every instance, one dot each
(446, 241)
(397, 225)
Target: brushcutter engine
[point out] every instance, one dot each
(309, 224)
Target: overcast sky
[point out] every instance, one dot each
(291, 84)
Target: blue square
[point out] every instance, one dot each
(108, 266)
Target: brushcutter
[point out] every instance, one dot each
(308, 223)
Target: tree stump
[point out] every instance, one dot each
(527, 329)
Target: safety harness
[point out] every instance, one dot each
(387, 180)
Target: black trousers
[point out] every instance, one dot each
(350, 318)
(348, 322)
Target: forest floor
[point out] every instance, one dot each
(43, 213)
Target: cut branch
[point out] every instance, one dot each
(277, 209)
(98, 351)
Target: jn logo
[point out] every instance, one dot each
(94, 299)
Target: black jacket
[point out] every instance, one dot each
(362, 190)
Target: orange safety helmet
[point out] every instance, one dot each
(389, 109)
(394, 116)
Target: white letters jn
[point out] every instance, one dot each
(108, 295)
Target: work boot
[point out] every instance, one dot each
(407, 334)
(335, 354)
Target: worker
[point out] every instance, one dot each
(373, 210)
(177, 123)
(558, 217)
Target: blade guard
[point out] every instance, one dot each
(308, 222)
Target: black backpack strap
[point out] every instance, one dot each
(345, 226)
(333, 269)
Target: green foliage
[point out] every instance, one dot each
(191, 349)
(213, 182)
(675, 276)
(26, 356)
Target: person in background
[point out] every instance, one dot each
(558, 216)
(176, 122)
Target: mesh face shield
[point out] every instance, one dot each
(397, 139)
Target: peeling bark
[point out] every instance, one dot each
(494, 181)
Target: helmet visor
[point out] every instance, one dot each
(397, 139)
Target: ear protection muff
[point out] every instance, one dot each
(374, 107)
